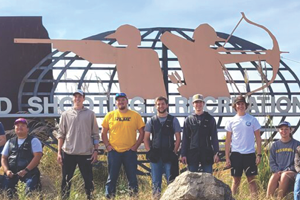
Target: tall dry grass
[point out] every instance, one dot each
(51, 178)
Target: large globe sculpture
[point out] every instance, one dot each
(100, 80)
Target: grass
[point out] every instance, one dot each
(51, 175)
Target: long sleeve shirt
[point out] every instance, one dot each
(187, 132)
(282, 155)
(80, 131)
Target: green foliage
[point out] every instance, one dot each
(264, 171)
(21, 192)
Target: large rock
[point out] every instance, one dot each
(193, 185)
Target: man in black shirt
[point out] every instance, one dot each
(200, 143)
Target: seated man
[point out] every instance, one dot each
(282, 155)
(20, 158)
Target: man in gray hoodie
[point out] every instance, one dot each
(78, 141)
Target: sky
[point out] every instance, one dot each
(78, 19)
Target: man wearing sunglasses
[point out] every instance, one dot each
(20, 158)
(122, 125)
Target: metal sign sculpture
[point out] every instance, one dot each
(138, 69)
(199, 62)
(144, 68)
(141, 63)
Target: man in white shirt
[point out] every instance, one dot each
(242, 130)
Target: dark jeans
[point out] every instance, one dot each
(32, 181)
(115, 160)
(69, 165)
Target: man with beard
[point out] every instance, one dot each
(200, 143)
(122, 125)
(78, 141)
(163, 149)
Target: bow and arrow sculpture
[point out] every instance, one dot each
(272, 55)
(203, 66)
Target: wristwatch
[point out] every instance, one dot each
(27, 170)
(259, 155)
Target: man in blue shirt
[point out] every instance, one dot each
(20, 158)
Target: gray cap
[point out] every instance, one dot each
(198, 97)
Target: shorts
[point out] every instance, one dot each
(243, 162)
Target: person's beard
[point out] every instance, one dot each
(162, 112)
(122, 107)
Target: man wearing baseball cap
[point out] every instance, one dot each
(20, 158)
(200, 143)
(122, 125)
(242, 132)
(79, 126)
(282, 155)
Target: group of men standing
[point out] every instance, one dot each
(78, 142)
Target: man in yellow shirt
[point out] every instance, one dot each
(122, 125)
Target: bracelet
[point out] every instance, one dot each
(259, 155)
(27, 170)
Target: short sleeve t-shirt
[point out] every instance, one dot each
(36, 146)
(2, 132)
(242, 129)
(122, 128)
(165, 139)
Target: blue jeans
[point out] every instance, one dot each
(115, 160)
(32, 181)
(204, 168)
(297, 187)
(157, 170)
